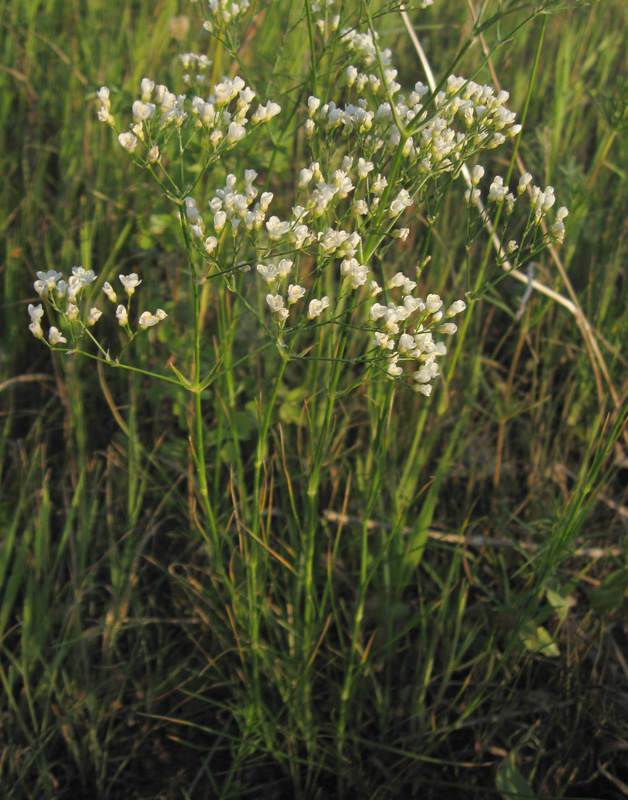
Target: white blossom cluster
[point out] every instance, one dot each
(62, 296)
(541, 202)
(323, 11)
(224, 13)
(221, 118)
(406, 330)
(465, 119)
(372, 155)
(364, 46)
(197, 63)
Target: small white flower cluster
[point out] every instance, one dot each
(234, 207)
(159, 110)
(52, 287)
(364, 45)
(321, 10)
(371, 156)
(224, 13)
(196, 62)
(467, 118)
(541, 201)
(399, 343)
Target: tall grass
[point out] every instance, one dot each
(415, 595)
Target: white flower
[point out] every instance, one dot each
(398, 279)
(497, 191)
(305, 176)
(108, 290)
(72, 312)
(235, 133)
(103, 96)
(49, 278)
(295, 293)
(128, 141)
(377, 311)
(433, 303)
(448, 328)
(275, 302)
(210, 244)
(36, 329)
(403, 200)
(130, 282)
(411, 304)
(524, 180)
(317, 307)
(394, 370)
(146, 89)
(122, 315)
(313, 104)
(55, 337)
(104, 115)
(147, 320)
(142, 111)
(265, 113)
(93, 316)
(191, 211)
(383, 341)
(220, 220)
(477, 173)
(35, 312)
(84, 276)
(378, 185)
(265, 201)
(268, 272)
(406, 343)
(457, 307)
(284, 268)
(276, 228)
(364, 167)
(557, 232)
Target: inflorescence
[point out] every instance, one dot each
(373, 155)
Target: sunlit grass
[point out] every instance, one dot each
(494, 591)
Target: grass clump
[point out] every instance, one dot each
(240, 554)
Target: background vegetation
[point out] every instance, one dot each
(493, 653)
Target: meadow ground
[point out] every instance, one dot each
(358, 591)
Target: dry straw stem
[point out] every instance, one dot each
(572, 305)
(474, 541)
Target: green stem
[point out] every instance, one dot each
(378, 448)
(199, 455)
(253, 546)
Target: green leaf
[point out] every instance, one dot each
(537, 639)
(560, 600)
(509, 782)
(291, 409)
(612, 593)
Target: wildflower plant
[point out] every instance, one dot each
(315, 270)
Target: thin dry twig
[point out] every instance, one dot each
(476, 541)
